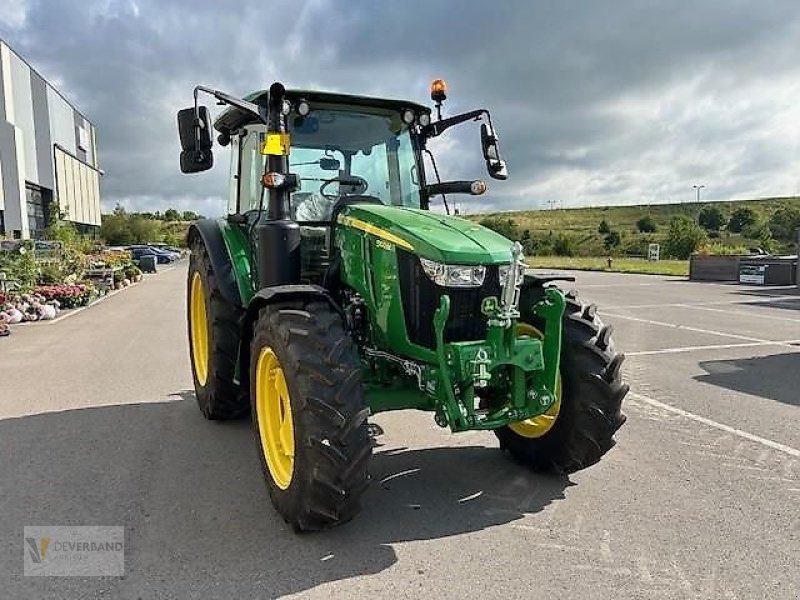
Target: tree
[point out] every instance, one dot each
(684, 237)
(189, 215)
(172, 215)
(711, 218)
(741, 218)
(603, 228)
(646, 224)
(784, 222)
(611, 240)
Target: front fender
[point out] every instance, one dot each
(270, 295)
(210, 232)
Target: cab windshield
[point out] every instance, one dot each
(339, 153)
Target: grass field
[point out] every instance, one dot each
(619, 265)
(581, 224)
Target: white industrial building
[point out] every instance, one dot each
(48, 155)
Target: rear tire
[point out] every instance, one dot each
(218, 396)
(593, 390)
(330, 440)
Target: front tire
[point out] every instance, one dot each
(591, 397)
(309, 414)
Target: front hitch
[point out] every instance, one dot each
(523, 371)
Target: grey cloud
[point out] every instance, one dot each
(595, 103)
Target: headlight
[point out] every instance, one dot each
(504, 269)
(454, 275)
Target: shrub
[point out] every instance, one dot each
(710, 218)
(603, 228)
(741, 218)
(718, 249)
(646, 224)
(611, 240)
(684, 237)
(564, 245)
(784, 222)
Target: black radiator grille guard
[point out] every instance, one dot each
(421, 298)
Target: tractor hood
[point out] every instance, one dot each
(442, 238)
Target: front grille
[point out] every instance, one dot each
(421, 298)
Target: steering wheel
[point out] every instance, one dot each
(348, 184)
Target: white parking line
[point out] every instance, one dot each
(721, 426)
(680, 349)
(744, 302)
(743, 313)
(734, 336)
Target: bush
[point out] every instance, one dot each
(684, 237)
(122, 229)
(784, 223)
(132, 271)
(711, 218)
(603, 228)
(611, 240)
(564, 245)
(50, 273)
(741, 218)
(646, 224)
(718, 249)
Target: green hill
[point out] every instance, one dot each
(549, 231)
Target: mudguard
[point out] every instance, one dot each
(268, 295)
(209, 231)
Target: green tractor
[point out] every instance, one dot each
(330, 293)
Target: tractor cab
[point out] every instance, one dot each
(344, 150)
(348, 148)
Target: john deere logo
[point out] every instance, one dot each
(489, 305)
(37, 551)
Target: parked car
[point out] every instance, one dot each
(172, 249)
(162, 257)
(173, 256)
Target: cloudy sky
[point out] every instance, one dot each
(631, 101)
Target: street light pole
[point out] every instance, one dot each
(697, 189)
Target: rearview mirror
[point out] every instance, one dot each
(195, 135)
(494, 165)
(329, 164)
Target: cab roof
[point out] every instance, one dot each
(232, 118)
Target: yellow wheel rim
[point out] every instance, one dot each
(198, 327)
(274, 417)
(541, 424)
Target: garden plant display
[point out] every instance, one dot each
(48, 286)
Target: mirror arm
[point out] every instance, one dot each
(249, 107)
(455, 187)
(441, 126)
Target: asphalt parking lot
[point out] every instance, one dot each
(700, 498)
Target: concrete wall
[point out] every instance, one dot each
(713, 268)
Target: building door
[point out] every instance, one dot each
(38, 204)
